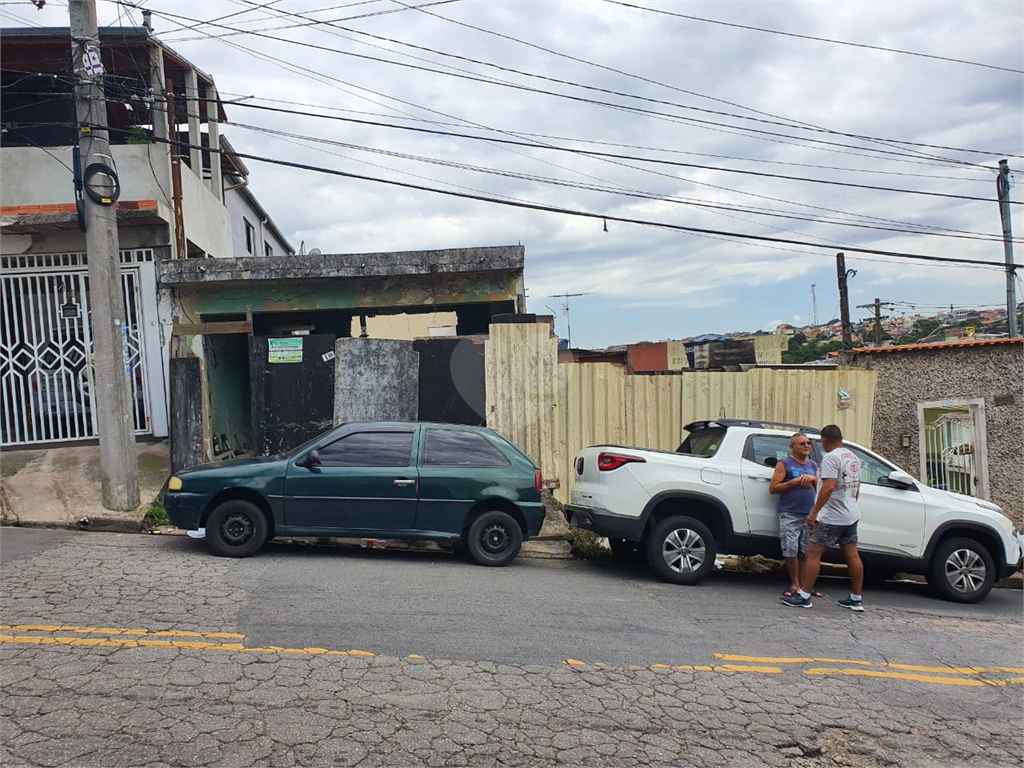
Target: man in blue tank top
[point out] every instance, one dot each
(794, 482)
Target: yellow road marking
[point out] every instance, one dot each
(118, 631)
(793, 660)
(964, 681)
(574, 662)
(956, 670)
(415, 656)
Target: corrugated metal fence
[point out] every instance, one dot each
(552, 410)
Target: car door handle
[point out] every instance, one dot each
(405, 482)
(762, 479)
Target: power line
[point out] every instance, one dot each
(784, 122)
(611, 190)
(621, 107)
(568, 211)
(817, 39)
(628, 74)
(635, 158)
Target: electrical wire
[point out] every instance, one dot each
(569, 211)
(785, 123)
(723, 127)
(817, 39)
(611, 190)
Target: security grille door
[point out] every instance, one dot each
(950, 450)
(46, 349)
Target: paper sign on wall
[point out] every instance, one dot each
(842, 400)
(285, 350)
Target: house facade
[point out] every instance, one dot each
(952, 414)
(176, 203)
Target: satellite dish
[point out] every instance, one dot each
(315, 252)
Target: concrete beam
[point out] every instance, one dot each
(394, 264)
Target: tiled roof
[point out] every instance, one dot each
(937, 345)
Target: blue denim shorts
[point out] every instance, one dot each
(793, 535)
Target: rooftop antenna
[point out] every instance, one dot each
(565, 311)
(814, 306)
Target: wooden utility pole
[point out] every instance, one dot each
(877, 306)
(100, 189)
(844, 301)
(1003, 191)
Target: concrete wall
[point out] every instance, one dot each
(241, 210)
(994, 372)
(375, 380)
(207, 223)
(34, 177)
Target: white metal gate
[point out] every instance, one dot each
(46, 349)
(950, 449)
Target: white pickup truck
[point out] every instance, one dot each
(680, 509)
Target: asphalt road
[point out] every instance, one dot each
(591, 662)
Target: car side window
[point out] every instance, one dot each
(872, 471)
(766, 450)
(454, 448)
(369, 449)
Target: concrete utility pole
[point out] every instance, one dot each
(844, 299)
(113, 393)
(1003, 192)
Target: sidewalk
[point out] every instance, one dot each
(61, 488)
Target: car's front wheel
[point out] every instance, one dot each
(962, 570)
(236, 528)
(494, 538)
(681, 550)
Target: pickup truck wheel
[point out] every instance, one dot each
(681, 550)
(236, 528)
(962, 570)
(494, 538)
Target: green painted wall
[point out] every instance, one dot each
(227, 377)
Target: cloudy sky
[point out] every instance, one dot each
(697, 114)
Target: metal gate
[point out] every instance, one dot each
(46, 348)
(949, 446)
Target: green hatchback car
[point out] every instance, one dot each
(389, 480)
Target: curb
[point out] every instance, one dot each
(97, 524)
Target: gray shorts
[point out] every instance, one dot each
(826, 535)
(793, 535)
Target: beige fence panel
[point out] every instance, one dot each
(520, 365)
(654, 411)
(553, 410)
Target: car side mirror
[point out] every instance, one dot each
(898, 479)
(310, 460)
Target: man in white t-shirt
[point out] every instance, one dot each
(833, 520)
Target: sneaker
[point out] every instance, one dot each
(796, 601)
(853, 605)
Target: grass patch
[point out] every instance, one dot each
(586, 545)
(156, 515)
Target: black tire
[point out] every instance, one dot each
(626, 552)
(494, 538)
(962, 570)
(236, 528)
(681, 550)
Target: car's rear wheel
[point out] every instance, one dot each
(494, 538)
(681, 550)
(962, 571)
(236, 528)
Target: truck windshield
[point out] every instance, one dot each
(703, 443)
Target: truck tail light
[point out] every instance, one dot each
(539, 480)
(606, 462)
